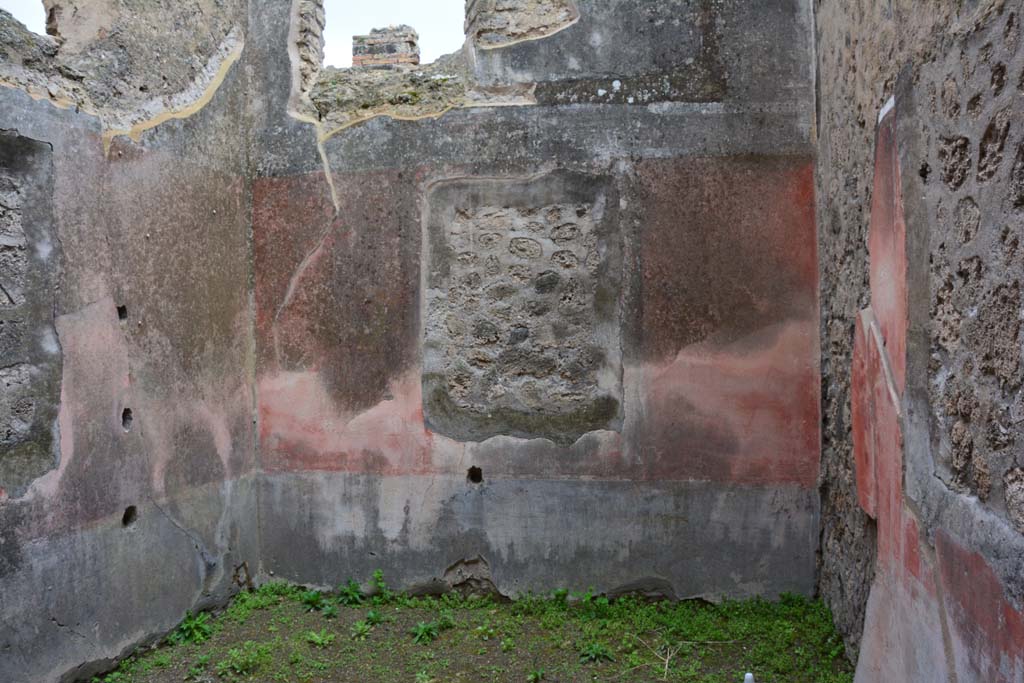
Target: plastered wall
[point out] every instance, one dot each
(569, 341)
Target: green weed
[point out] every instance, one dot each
(361, 630)
(382, 594)
(249, 658)
(595, 653)
(350, 594)
(424, 633)
(319, 638)
(196, 628)
(196, 671)
(313, 600)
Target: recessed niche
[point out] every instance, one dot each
(131, 513)
(126, 419)
(522, 327)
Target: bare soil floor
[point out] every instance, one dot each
(286, 633)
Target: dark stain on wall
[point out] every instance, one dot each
(727, 249)
(30, 355)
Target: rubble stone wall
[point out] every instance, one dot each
(941, 318)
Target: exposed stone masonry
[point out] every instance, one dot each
(391, 46)
(976, 369)
(966, 63)
(29, 359)
(119, 60)
(518, 315)
(492, 23)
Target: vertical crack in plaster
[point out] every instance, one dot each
(328, 175)
(299, 97)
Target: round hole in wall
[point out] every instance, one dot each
(475, 475)
(126, 419)
(131, 513)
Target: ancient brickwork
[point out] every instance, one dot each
(392, 46)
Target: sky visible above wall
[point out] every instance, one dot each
(28, 12)
(439, 23)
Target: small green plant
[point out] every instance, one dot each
(277, 589)
(196, 671)
(507, 645)
(329, 611)
(424, 677)
(595, 653)
(382, 595)
(244, 603)
(350, 594)
(374, 618)
(424, 632)
(313, 600)
(248, 659)
(195, 628)
(446, 621)
(361, 630)
(535, 676)
(157, 661)
(319, 638)
(486, 632)
(123, 674)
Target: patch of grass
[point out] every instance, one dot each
(196, 671)
(264, 597)
(249, 658)
(392, 638)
